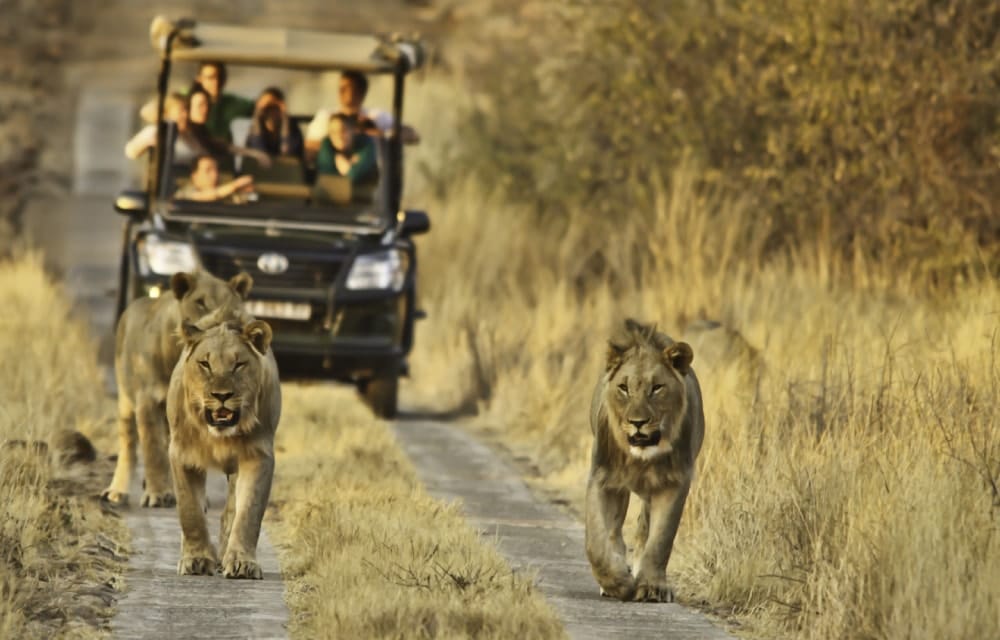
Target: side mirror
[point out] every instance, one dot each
(133, 204)
(414, 222)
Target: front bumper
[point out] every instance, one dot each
(355, 336)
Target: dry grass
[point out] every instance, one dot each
(849, 482)
(365, 553)
(58, 555)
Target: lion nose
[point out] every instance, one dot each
(222, 397)
(638, 423)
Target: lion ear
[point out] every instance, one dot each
(258, 333)
(181, 283)
(679, 355)
(191, 332)
(615, 356)
(241, 283)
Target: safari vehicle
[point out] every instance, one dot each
(334, 268)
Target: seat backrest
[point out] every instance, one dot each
(283, 169)
(331, 189)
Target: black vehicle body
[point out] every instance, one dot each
(336, 284)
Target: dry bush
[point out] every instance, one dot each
(874, 123)
(58, 555)
(365, 553)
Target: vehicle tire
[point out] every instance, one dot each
(380, 395)
(126, 286)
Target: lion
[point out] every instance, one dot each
(648, 424)
(223, 408)
(147, 346)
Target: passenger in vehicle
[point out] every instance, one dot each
(351, 91)
(204, 184)
(272, 131)
(186, 144)
(223, 107)
(199, 109)
(346, 151)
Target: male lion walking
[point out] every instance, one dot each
(648, 425)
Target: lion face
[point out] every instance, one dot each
(223, 373)
(646, 394)
(199, 294)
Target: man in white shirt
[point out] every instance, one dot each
(351, 90)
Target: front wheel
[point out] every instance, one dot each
(381, 395)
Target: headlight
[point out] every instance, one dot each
(382, 270)
(165, 257)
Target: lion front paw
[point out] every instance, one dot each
(197, 565)
(117, 498)
(160, 499)
(237, 564)
(620, 589)
(653, 591)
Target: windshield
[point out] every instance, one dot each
(250, 138)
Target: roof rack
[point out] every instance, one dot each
(286, 48)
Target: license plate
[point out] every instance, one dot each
(277, 309)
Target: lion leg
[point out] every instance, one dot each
(117, 491)
(227, 514)
(253, 487)
(605, 514)
(151, 417)
(198, 556)
(665, 512)
(641, 535)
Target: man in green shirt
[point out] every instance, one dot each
(225, 107)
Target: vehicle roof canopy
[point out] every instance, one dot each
(288, 48)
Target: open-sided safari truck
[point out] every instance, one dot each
(334, 268)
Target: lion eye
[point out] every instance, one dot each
(656, 389)
(623, 388)
(204, 365)
(238, 366)
(201, 303)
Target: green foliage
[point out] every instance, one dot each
(871, 125)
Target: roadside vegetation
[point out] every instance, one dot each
(820, 251)
(366, 553)
(60, 559)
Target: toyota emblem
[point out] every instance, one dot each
(272, 263)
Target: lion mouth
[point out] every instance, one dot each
(644, 439)
(222, 418)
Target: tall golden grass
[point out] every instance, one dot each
(848, 486)
(57, 554)
(366, 553)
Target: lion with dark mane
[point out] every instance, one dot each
(648, 424)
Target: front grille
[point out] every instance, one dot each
(306, 269)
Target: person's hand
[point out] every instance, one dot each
(263, 101)
(343, 163)
(409, 135)
(263, 158)
(243, 183)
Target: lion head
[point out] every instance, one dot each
(646, 395)
(223, 373)
(200, 293)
